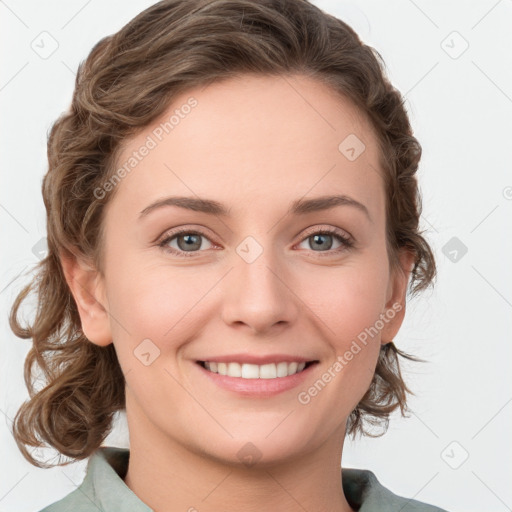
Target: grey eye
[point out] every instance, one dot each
(321, 241)
(189, 242)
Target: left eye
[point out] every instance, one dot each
(324, 240)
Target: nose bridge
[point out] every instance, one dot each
(257, 293)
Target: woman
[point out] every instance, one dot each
(232, 230)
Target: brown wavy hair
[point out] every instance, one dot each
(126, 82)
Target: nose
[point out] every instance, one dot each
(259, 296)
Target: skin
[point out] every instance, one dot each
(255, 144)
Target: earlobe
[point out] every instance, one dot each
(394, 311)
(88, 289)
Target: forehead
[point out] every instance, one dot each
(251, 138)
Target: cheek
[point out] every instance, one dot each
(154, 303)
(348, 299)
(349, 316)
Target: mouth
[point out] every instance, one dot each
(244, 377)
(278, 370)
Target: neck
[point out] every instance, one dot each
(168, 476)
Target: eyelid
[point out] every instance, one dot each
(312, 230)
(172, 232)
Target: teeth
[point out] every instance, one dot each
(254, 371)
(269, 371)
(234, 370)
(247, 371)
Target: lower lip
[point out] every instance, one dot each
(258, 387)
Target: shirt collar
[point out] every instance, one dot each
(104, 486)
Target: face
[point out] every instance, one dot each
(249, 268)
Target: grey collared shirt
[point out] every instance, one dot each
(103, 489)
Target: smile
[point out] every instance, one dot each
(255, 371)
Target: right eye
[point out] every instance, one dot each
(186, 240)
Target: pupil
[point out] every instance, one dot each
(323, 245)
(190, 241)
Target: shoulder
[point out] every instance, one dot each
(75, 501)
(82, 499)
(365, 493)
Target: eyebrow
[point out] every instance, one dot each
(298, 207)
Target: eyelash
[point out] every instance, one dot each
(346, 242)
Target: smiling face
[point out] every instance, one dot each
(262, 271)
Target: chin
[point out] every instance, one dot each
(258, 451)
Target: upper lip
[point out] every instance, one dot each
(259, 360)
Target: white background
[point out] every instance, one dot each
(461, 110)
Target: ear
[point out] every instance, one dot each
(394, 311)
(88, 288)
